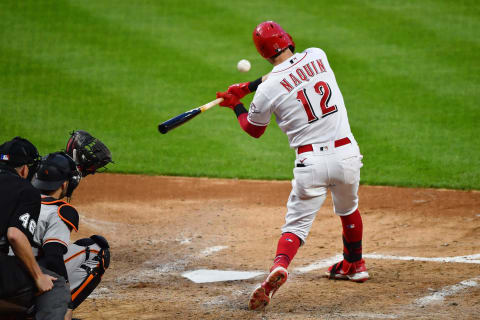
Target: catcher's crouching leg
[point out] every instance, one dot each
(94, 266)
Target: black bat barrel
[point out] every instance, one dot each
(168, 125)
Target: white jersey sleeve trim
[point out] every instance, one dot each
(257, 123)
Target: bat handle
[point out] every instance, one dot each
(213, 103)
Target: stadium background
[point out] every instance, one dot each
(408, 71)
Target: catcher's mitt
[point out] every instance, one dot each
(88, 152)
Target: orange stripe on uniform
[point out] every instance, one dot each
(53, 202)
(55, 240)
(90, 277)
(79, 253)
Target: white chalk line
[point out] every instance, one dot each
(100, 224)
(324, 263)
(179, 265)
(439, 296)
(321, 264)
(474, 258)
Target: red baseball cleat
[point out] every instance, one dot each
(344, 270)
(260, 298)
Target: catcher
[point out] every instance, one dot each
(83, 262)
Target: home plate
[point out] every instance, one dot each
(205, 275)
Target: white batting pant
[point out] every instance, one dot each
(326, 167)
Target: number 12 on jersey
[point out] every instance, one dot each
(323, 89)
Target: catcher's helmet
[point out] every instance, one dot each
(18, 152)
(55, 169)
(270, 39)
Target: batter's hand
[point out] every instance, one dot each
(44, 283)
(229, 100)
(239, 89)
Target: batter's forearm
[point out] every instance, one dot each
(23, 250)
(252, 130)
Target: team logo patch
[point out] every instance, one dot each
(253, 108)
(289, 240)
(4, 157)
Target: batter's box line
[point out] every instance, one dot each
(327, 262)
(474, 258)
(447, 291)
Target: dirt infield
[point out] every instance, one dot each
(161, 227)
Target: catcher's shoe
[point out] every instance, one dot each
(344, 270)
(260, 298)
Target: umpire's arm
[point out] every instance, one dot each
(23, 250)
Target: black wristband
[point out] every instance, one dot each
(239, 109)
(252, 86)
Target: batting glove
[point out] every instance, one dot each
(239, 89)
(229, 100)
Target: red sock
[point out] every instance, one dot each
(352, 227)
(352, 236)
(287, 248)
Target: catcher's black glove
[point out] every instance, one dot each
(89, 153)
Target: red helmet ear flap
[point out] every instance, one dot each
(292, 43)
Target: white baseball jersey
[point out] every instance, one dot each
(303, 94)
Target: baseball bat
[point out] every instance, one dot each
(170, 124)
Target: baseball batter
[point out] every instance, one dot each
(302, 92)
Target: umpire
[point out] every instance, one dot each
(22, 281)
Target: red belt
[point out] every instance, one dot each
(337, 143)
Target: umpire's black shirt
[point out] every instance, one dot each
(19, 205)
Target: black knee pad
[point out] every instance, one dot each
(84, 242)
(101, 241)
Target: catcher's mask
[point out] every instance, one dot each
(54, 170)
(18, 152)
(270, 39)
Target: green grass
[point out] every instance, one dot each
(409, 73)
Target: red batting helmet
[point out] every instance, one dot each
(270, 39)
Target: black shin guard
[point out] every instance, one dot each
(80, 293)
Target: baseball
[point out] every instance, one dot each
(243, 65)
